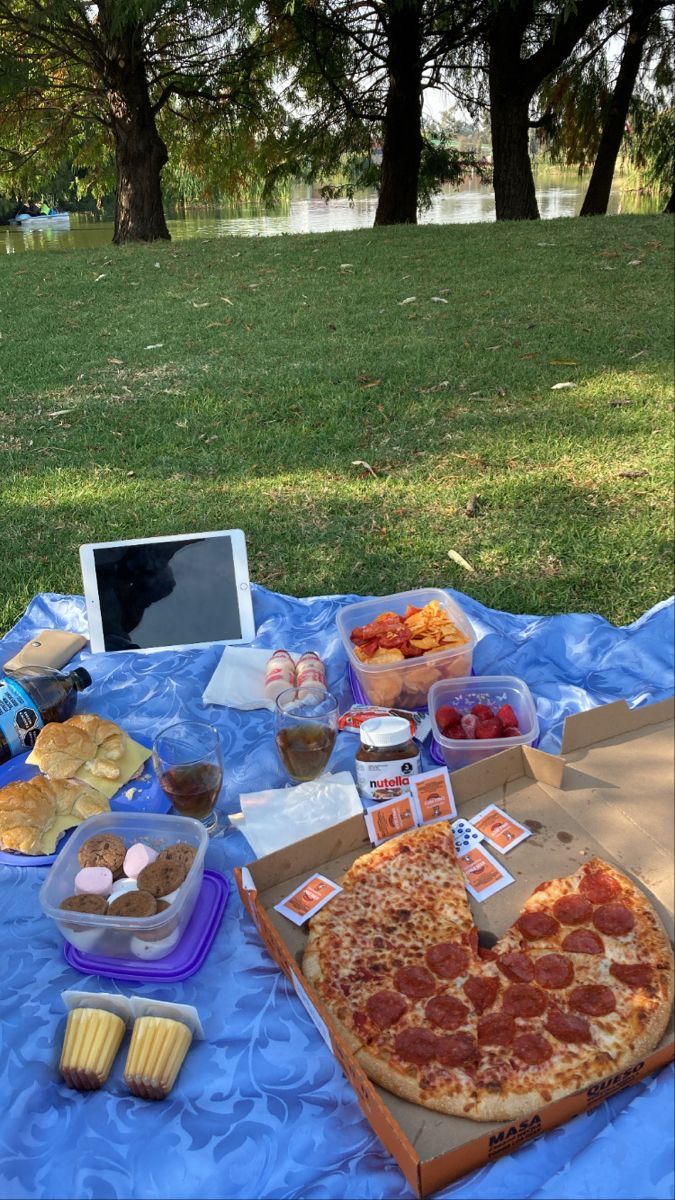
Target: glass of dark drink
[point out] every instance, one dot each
(189, 764)
(305, 731)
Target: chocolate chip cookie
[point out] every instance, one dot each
(103, 850)
(181, 854)
(133, 904)
(86, 902)
(161, 878)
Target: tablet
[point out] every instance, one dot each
(168, 593)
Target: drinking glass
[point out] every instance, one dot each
(305, 730)
(189, 765)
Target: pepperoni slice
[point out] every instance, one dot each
(446, 1011)
(583, 941)
(417, 1046)
(634, 974)
(517, 966)
(385, 1008)
(416, 982)
(537, 924)
(499, 1029)
(553, 971)
(487, 954)
(573, 909)
(521, 1000)
(532, 1048)
(482, 991)
(457, 1049)
(594, 999)
(567, 1027)
(599, 887)
(447, 959)
(614, 919)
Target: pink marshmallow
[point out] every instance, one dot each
(97, 881)
(136, 858)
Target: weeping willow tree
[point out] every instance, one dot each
(107, 85)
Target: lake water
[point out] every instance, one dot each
(311, 214)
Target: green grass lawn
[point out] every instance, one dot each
(248, 382)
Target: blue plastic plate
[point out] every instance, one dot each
(148, 797)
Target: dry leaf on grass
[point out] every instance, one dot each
(633, 474)
(471, 506)
(557, 386)
(408, 300)
(563, 362)
(461, 561)
(439, 299)
(155, 346)
(360, 462)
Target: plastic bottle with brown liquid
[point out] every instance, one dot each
(31, 698)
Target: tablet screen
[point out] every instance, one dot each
(169, 593)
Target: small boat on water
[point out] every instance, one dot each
(55, 221)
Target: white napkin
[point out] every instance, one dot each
(278, 817)
(239, 679)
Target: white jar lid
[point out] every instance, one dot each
(385, 731)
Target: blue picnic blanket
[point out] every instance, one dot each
(261, 1108)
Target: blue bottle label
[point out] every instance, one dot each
(20, 720)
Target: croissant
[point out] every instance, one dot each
(30, 808)
(84, 741)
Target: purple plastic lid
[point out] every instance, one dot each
(180, 963)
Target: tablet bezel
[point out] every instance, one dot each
(243, 589)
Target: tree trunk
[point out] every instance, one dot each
(402, 141)
(670, 206)
(140, 153)
(600, 184)
(510, 96)
(515, 198)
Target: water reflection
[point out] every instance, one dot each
(312, 215)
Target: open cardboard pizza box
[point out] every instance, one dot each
(610, 793)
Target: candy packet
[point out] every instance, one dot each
(352, 720)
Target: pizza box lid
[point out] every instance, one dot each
(609, 794)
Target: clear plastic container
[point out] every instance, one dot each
(139, 938)
(405, 683)
(493, 690)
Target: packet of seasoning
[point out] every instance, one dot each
(352, 720)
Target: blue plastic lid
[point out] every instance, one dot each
(180, 963)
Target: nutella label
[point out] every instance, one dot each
(385, 780)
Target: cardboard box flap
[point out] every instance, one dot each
(618, 784)
(500, 769)
(611, 721)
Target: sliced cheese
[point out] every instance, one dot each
(131, 761)
(54, 831)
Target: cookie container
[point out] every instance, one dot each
(493, 690)
(405, 683)
(135, 938)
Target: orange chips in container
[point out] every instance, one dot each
(419, 631)
(384, 638)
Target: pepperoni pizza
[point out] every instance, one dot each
(579, 987)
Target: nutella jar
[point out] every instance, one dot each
(386, 758)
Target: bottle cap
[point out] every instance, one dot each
(81, 678)
(385, 731)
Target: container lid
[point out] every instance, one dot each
(385, 731)
(180, 963)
